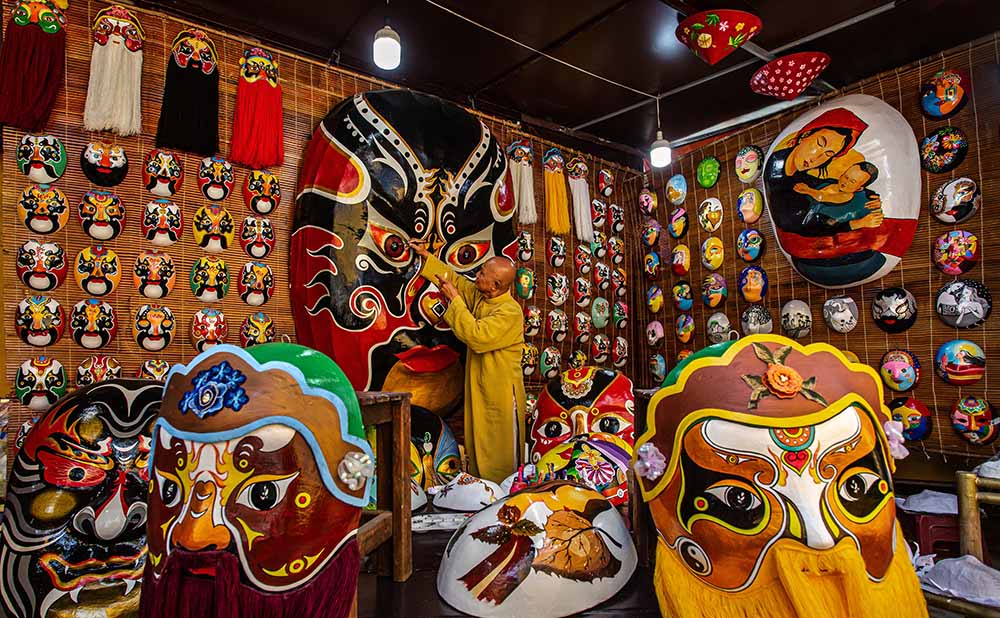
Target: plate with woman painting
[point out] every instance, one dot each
(842, 185)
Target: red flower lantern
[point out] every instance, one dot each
(787, 77)
(713, 35)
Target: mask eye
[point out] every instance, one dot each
(611, 423)
(265, 495)
(170, 491)
(555, 429)
(735, 497)
(391, 243)
(467, 255)
(857, 486)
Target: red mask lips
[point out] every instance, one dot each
(421, 359)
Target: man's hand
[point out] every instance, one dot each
(447, 288)
(420, 247)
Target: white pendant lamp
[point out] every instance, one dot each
(659, 150)
(386, 50)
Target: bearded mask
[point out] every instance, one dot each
(41, 266)
(598, 212)
(162, 174)
(257, 119)
(557, 288)
(532, 321)
(210, 279)
(261, 191)
(256, 284)
(153, 327)
(616, 250)
(257, 328)
(102, 214)
(619, 352)
(93, 323)
(96, 369)
(555, 251)
(384, 168)
(76, 505)
(525, 246)
(213, 228)
(583, 259)
(557, 325)
(208, 329)
(281, 482)
(257, 237)
(153, 369)
(581, 292)
(582, 326)
(189, 116)
(162, 222)
(42, 158)
(39, 382)
(43, 209)
(98, 270)
(39, 321)
(617, 218)
(602, 276)
(154, 274)
(32, 63)
(114, 93)
(103, 164)
(216, 178)
(769, 480)
(551, 360)
(529, 359)
(600, 347)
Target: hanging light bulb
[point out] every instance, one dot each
(659, 150)
(386, 51)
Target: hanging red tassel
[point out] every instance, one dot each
(257, 123)
(32, 64)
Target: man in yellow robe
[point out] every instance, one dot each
(485, 317)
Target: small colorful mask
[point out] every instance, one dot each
(43, 209)
(257, 328)
(102, 214)
(945, 94)
(98, 369)
(680, 260)
(914, 416)
(153, 327)
(654, 298)
(678, 222)
(529, 359)
(93, 323)
(714, 290)
(900, 370)
(598, 212)
(555, 251)
(599, 246)
(153, 369)
(39, 320)
(154, 274)
(617, 218)
(616, 250)
(600, 312)
(98, 270)
(525, 246)
(683, 300)
(532, 321)
(551, 362)
(619, 352)
(582, 325)
(657, 368)
(257, 236)
(718, 327)
(42, 158)
(620, 313)
(841, 314)
(162, 174)
(753, 284)
(210, 279)
(956, 252)
(261, 191)
(605, 183)
(677, 189)
(651, 234)
(943, 150)
(956, 200)
(684, 327)
(894, 309)
(40, 382)
(602, 276)
(749, 161)
(216, 178)
(41, 266)
(975, 420)
(577, 359)
(557, 325)
(525, 283)
(749, 205)
(750, 244)
(651, 265)
(600, 348)
(193, 49)
(756, 320)
(710, 214)
(713, 252)
(557, 288)
(256, 283)
(208, 329)
(103, 164)
(964, 303)
(796, 319)
(647, 202)
(581, 292)
(213, 228)
(708, 172)
(654, 333)
(960, 362)
(162, 222)
(583, 259)
(119, 26)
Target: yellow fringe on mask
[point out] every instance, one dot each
(795, 582)
(556, 203)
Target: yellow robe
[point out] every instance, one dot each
(493, 331)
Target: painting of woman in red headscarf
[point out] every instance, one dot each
(842, 186)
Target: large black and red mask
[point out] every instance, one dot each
(384, 168)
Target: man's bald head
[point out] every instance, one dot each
(495, 277)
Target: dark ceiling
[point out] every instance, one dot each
(628, 41)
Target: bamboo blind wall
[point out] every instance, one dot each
(917, 272)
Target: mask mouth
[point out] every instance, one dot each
(421, 359)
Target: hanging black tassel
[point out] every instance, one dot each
(189, 117)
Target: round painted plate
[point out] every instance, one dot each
(710, 214)
(943, 150)
(756, 320)
(894, 309)
(964, 303)
(956, 200)
(796, 319)
(750, 244)
(945, 94)
(956, 252)
(960, 362)
(677, 189)
(841, 314)
(718, 327)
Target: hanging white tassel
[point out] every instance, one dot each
(520, 156)
(114, 91)
(580, 190)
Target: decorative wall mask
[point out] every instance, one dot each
(105, 165)
(619, 280)
(557, 325)
(677, 188)
(39, 320)
(616, 250)
(619, 352)
(153, 369)
(756, 320)
(256, 285)
(582, 327)
(210, 279)
(261, 191)
(943, 149)
(684, 327)
(945, 94)
(32, 63)
(529, 359)
(956, 252)
(651, 266)
(680, 260)
(654, 333)
(257, 237)
(620, 314)
(796, 319)
(841, 313)
(894, 309)
(153, 327)
(617, 214)
(557, 288)
(750, 244)
(41, 266)
(213, 228)
(581, 292)
(208, 329)
(101, 214)
(914, 415)
(550, 363)
(524, 284)
(162, 173)
(114, 92)
(749, 162)
(258, 123)
(753, 284)
(900, 370)
(555, 251)
(683, 299)
(678, 222)
(38, 383)
(600, 347)
(521, 157)
(579, 189)
(434, 453)
(975, 420)
(964, 303)
(98, 270)
(154, 274)
(708, 172)
(582, 259)
(657, 368)
(42, 158)
(162, 222)
(654, 298)
(189, 115)
(98, 368)
(43, 209)
(718, 327)
(749, 205)
(526, 246)
(532, 321)
(600, 245)
(956, 200)
(93, 323)
(600, 312)
(710, 214)
(598, 212)
(714, 290)
(257, 328)
(556, 201)
(216, 178)
(960, 362)
(713, 252)
(602, 276)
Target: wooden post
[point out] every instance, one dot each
(970, 529)
(402, 547)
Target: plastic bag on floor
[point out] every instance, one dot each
(964, 578)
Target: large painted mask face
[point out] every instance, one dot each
(557, 288)
(102, 214)
(894, 309)
(261, 191)
(153, 327)
(118, 26)
(98, 368)
(216, 178)
(153, 369)
(208, 329)
(749, 160)
(43, 209)
(256, 283)
(42, 158)
(39, 382)
(434, 455)
(555, 251)
(914, 415)
(192, 49)
(76, 505)
(382, 169)
(162, 222)
(765, 466)
(213, 228)
(257, 328)
(162, 174)
(103, 164)
(530, 528)
(41, 266)
(93, 323)
(39, 320)
(98, 270)
(154, 274)
(273, 455)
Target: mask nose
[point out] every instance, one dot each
(198, 531)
